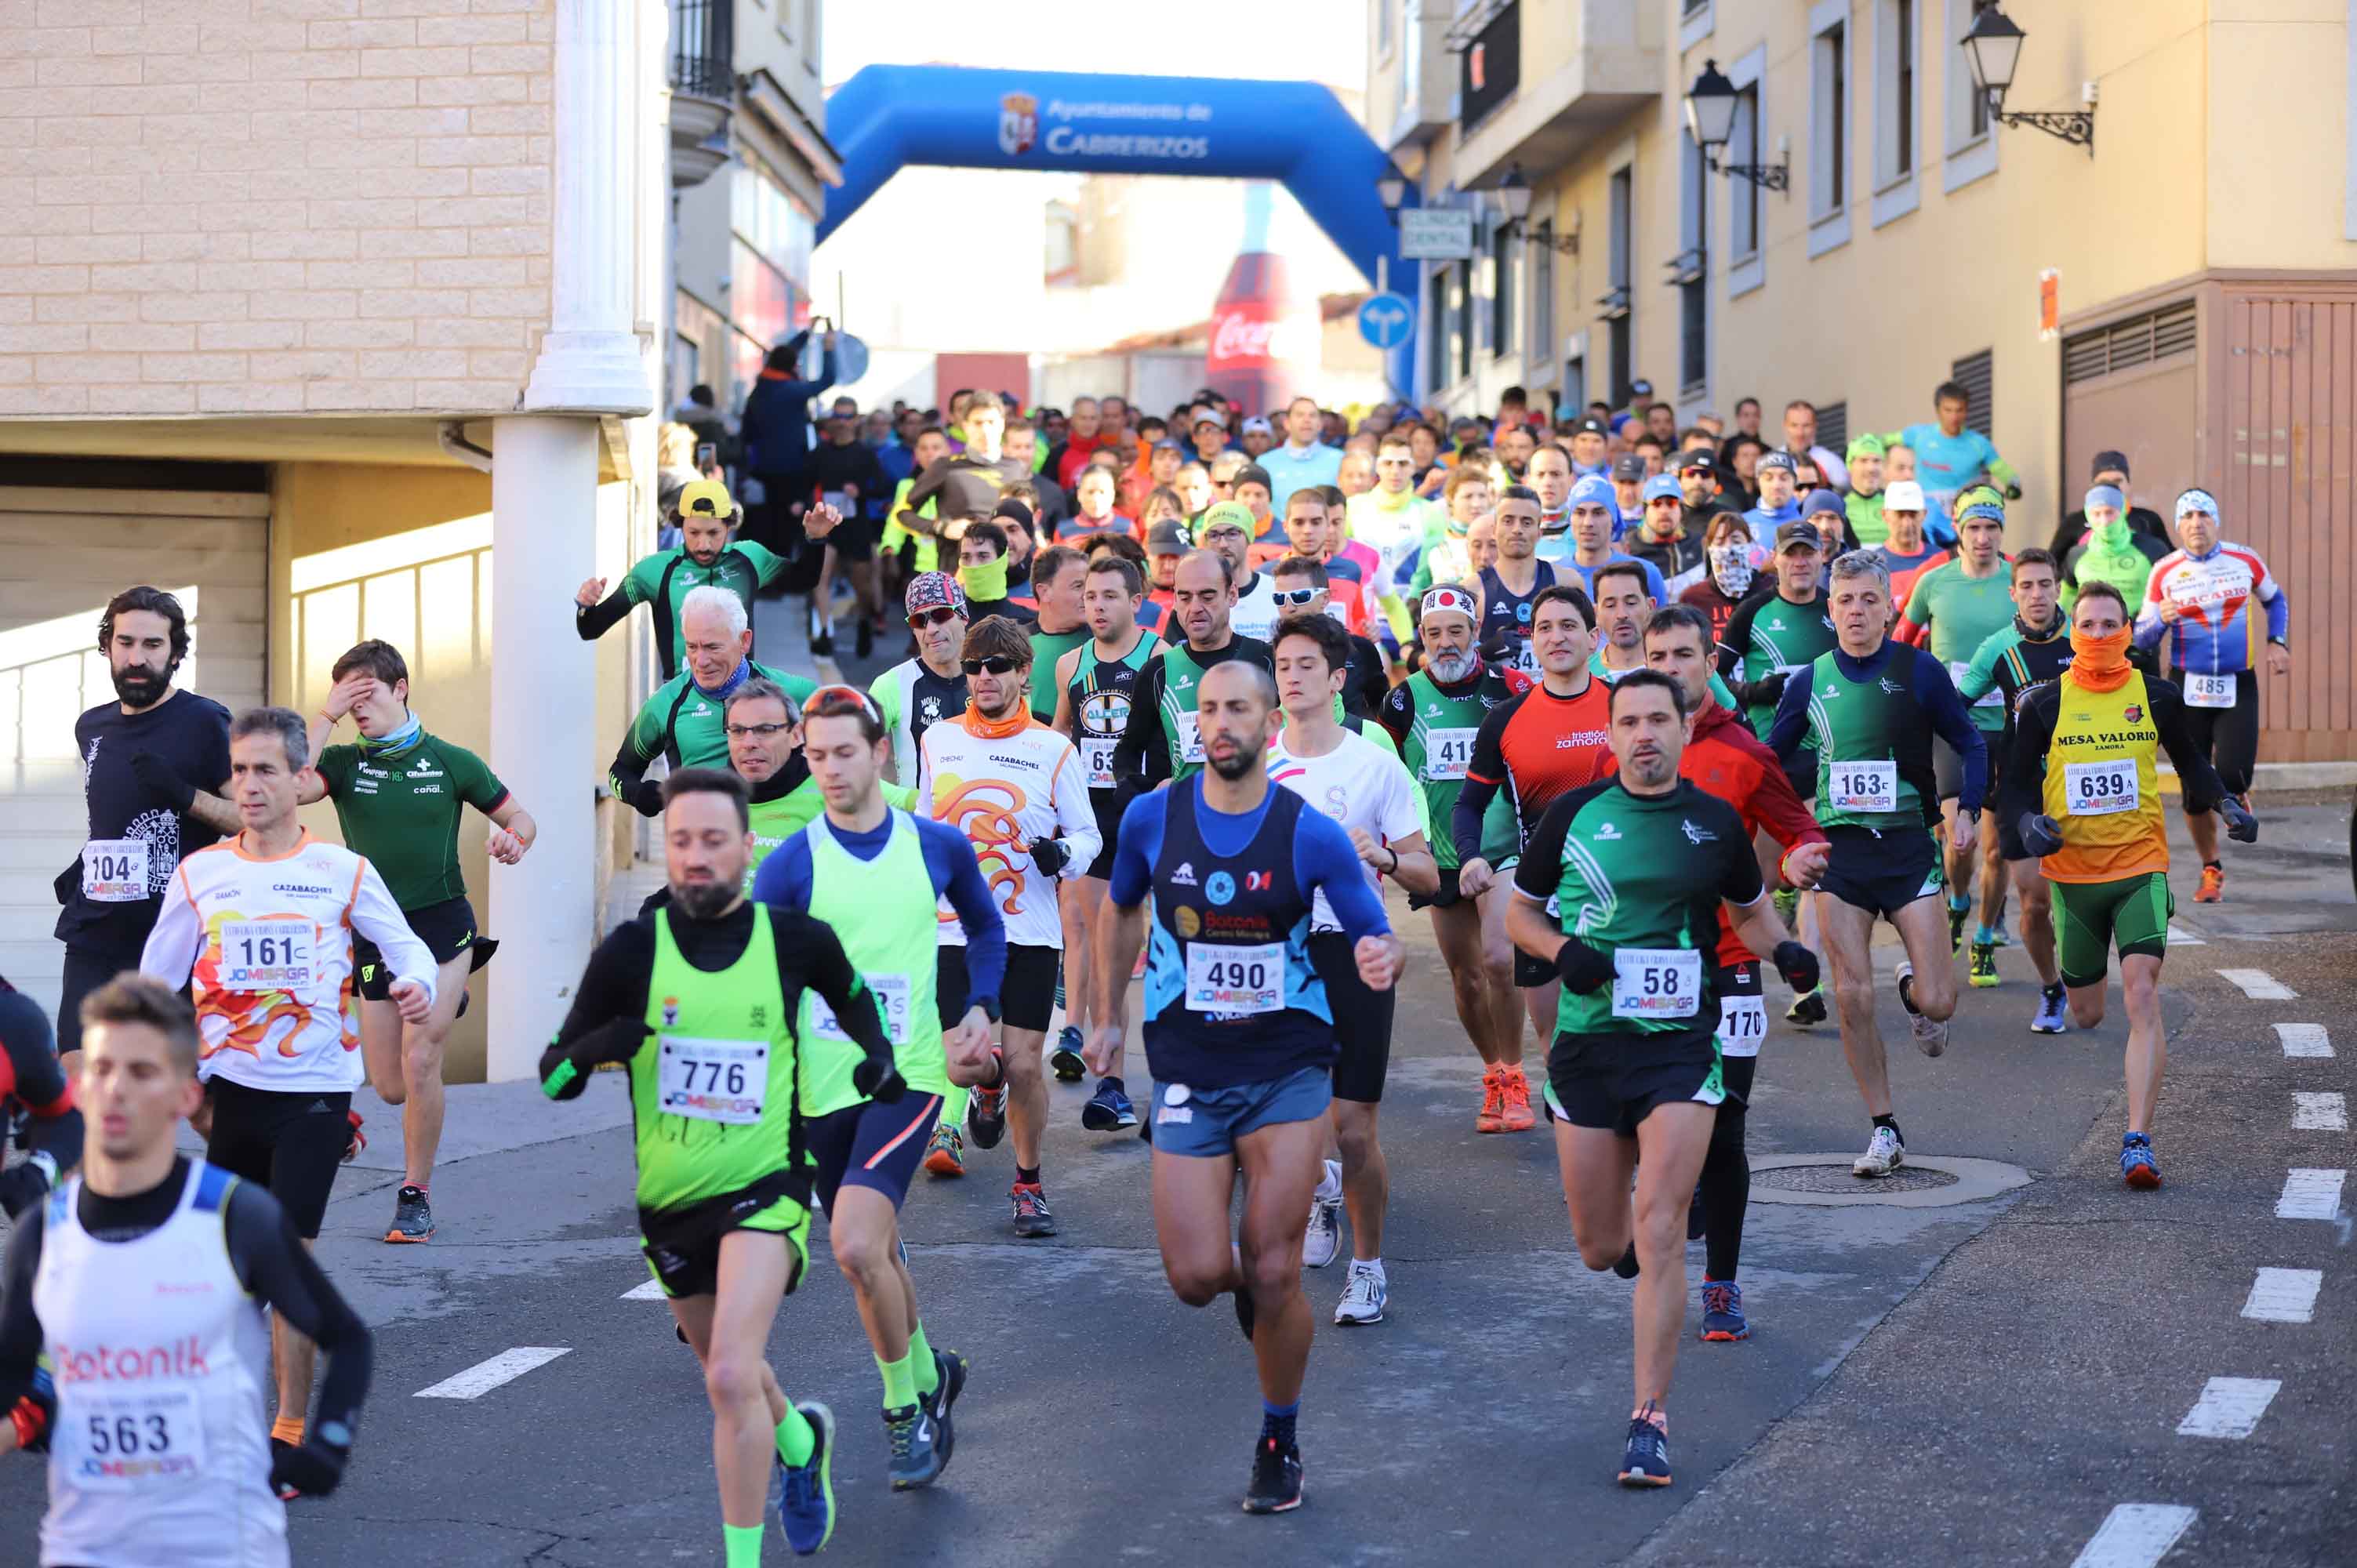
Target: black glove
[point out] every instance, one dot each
(162, 781)
(313, 1470)
(1797, 965)
(35, 1413)
(2013, 492)
(1049, 856)
(646, 796)
(2241, 826)
(1582, 967)
(1767, 691)
(2040, 835)
(878, 1080)
(616, 1040)
(22, 1185)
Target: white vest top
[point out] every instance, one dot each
(160, 1450)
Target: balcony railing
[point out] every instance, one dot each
(704, 47)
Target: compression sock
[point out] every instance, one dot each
(1027, 1176)
(1986, 935)
(1891, 1122)
(899, 1382)
(743, 1542)
(1956, 903)
(1277, 1423)
(795, 1438)
(928, 1372)
(288, 1429)
(1727, 1177)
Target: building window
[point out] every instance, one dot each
(1505, 281)
(1829, 132)
(1971, 151)
(1976, 373)
(1435, 322)
(1541, 349)
(1575, 386)
(1692, 275)
(1898, 108)
(1903, 162)
(1620, 268)
(1833, 426)
(1463, 316)
(2128, 344)
(1743, 147)
(1061, 264)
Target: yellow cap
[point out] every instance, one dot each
(705, 497)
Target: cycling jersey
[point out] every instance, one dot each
(268, 944)
(912, 699)
(2087, 759)
(1434, 726)
(2212, 593)
(1537, 747)
(1952, 613)
(1872, 720)
(400, 807)
(1504, 637)
(1359, 784)
(1006, 786)
(664, 579)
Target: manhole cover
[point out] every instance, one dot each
(1837, 1178)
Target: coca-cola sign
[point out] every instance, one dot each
(1250, 335)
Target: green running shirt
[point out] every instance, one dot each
(401, 811)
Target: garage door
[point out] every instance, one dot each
(71, 551)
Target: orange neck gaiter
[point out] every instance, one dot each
(986, 729)
(2100, 663)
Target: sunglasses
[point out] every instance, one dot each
(1294, 596)
(835, 697)
(997, 664)
(941, 617)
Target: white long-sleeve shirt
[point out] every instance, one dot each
(268, 944)
(1003, 791)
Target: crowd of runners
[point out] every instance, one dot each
(1637, 714)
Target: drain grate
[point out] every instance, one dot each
(1836, 1178)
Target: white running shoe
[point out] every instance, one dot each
(1930, 1037)
(1884, 1153)
(1364, 1297)
(1324, 1237)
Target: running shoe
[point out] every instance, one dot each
(1364, 1298)
(985, 1114)
(1491, 1117)
(1930, 1036)
(823, 645)
(1722, 1311)
(1646, 1461)
(806, 1491)
(2052, 1011)
(1515, 1117)
(2213, 886)
(1031, 1216)
(1958, 915)
(1275, 1478)
(1323, 1238)
(1983, 969)
(1108, 1110)
(1807, 1009)
(917, 1457)
(358, 1141)
(413, 1217)
(1788, 907)
(1065, 1059)
(949, 1381)
(2137, 1168)
(1884, 1153)
(945, 1155)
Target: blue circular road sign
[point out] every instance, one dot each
(1387, 320)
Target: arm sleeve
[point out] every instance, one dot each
(1136, 849)
(809, 950)
(1735, 638)
(2022, 789)
(1954, 722)
(783, 882)
(279, 1272)
(594, 622)
(1540, 871)
(641, 744)
(1141, 759)
(1323, 859)
(957, 875)
(2203, 787)
(613, 985)
(1739, 869)
(177, 937)
(2270, 594)
(20, 1330)
(1396, 714)
(1792, 721)
(924, 785)
(1076, 818)
(375, 916)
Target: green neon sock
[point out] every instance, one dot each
(899, 1382)
(953, 1105)
(795, 1439)
(921, 1363)
(744, 1544)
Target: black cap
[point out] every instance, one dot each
(2106, 462)
(1793, 533)
(1590, 426)
(1628, 465)
(1776, 460)
(1014, 512)
(1254, 474)
(1641, 388)
(1694, 458)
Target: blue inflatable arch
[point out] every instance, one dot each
(890, 116)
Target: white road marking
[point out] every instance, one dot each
(2259, 985)
(2304, 1039)
(2309, 1194)
(650, 1291)
(2178, 936)
(2229, 1407)
(2136, 1535)
(2318, 1112)
(484, 1376)
(2284, 1296)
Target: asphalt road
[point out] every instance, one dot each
(1976, 1382)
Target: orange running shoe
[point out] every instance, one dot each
(945, 1155)
(1516, 1117)
(2213, 886)
(1488, 1119)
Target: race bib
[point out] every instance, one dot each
(1235, 979)
(125, 1440)
(891, 993)
(1096, 753)
(839, 500)
(1525, 658)
(1865, 785)
(1742, 1025)
(115, 871)
(1191, 737)
(712, 1080)
(266, 955)
(1992, 698)
(2209, 691)
(2101, 788)
(1656, 982)
(1447, 751)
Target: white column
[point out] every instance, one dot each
(543, 725)
(591, 359)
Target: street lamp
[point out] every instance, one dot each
(1512, 196)
(1710, 120)
(1391, 187)
(1993, 49)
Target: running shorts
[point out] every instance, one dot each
(447, 929)
(1611, 1082)
(871, 1145)
(1027, 997)
(286, 1142)
(1948, 767)
(1204, 1124)
(2228, 736)
(1743, 1010)
(86, 970)
(854, 538)
(1362, 1019)
(2091, 918)
(1882, 873)
(692, 1267)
